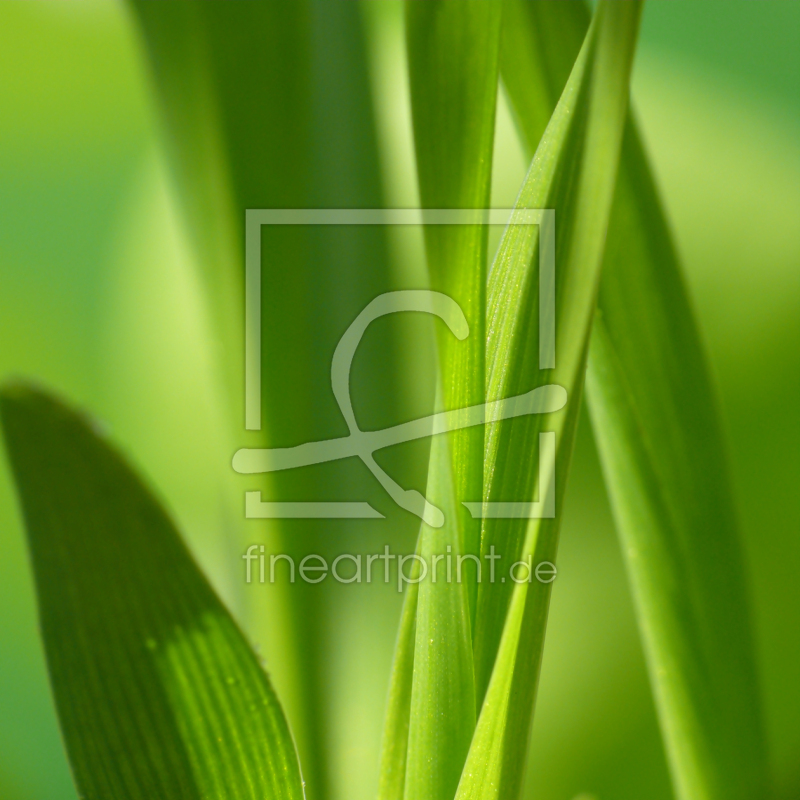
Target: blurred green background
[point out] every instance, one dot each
(99, 299)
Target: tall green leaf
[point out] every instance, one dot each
(267, 105)
(700, 659)
(665, 464)
(573, 172)
(442, 702)
(453, 69)
(394, 748)
(453, 52)
(656, 423)
(158, 693)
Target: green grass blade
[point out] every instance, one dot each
(267, 105)
(158, 693)
(656, 423)
(665, 464)
(574, 172)
(704, 683)
(539, 44)
(442, 711)
(394, 748)
(452, 51)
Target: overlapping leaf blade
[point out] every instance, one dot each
(394, 748)
(453, 51)
(573, 172)
(158, 693)
(442, 702)
(655, 420)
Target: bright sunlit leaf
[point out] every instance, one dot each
(158, 693)
(453, 66)
(573, 172)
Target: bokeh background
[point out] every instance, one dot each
(99, 299)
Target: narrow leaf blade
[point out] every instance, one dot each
(442, 713)
(655, 418)
(158, 693)
(656, 422)
(394, 749)
(573, 171)
(453, 51)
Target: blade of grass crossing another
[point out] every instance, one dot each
(394, 748)
(442, 708)
(452, 51)
(573, 172)
(157, 691)
(453, 48)
(539, 44)
(655, 417)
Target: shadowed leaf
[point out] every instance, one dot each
(267, 105)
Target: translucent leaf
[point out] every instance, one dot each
(158, 693)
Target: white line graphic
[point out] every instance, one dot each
(363, 444)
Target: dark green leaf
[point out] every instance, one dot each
(267, 105)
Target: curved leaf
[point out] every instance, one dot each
(654, 414)
(665, 465)
(573, 171)
(158, 693)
